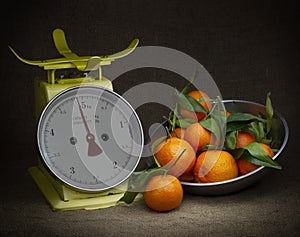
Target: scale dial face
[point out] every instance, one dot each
(90, 138)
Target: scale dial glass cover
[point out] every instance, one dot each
(90, 138)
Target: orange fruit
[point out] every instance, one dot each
(187, 177)
(168, 152)
(163, 193)
(179, 132)
(247, 167)
(197, 136)
(267, 149)
(197, 95)
(228, 114)
(243, 139)
(215, 166)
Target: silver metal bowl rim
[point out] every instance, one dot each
(285, 140)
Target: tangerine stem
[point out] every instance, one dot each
(156, 161)
(168, 132)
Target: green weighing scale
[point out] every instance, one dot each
(89, 138)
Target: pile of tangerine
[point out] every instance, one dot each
(196, 164)
(183, 151)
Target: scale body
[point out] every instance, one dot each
(60, 195)
(44, 91)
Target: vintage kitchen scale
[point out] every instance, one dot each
(89, 138)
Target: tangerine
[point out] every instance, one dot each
(228, 114)
(176, 150)
(267, 149)
(243, 139)
(246, 167)
(197, 95)
(163, 193)
(197, 136)
(215, 166)
(187, 177)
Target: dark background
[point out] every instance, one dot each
(248, 47)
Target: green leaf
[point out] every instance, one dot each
(237, 153)
(256, 150)
(128, 197)
(258, 130)
(182, 100)
(211, 125)
(238, 117)
(247, 129)
(252, 159)
(236, 126)
(276, 133)
(189, 103)
(269, 112)
(219, 116)
(185, 89)
(262, 134)
(230, 140)
(216, 121)
(269, 108)
(184, 123)
(255, 128)
(197, 107)
(266, 141)
(174, 117)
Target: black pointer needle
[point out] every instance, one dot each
(93, 148)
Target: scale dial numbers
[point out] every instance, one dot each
(90, 138)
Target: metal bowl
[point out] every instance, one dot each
(279, 131)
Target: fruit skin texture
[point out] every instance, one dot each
(244, 139)
(196, 94)
(197, 136)
(187, 177)
(246, 167)
(215, 166)
(168, 152)
(179, 132)
(267, 149)
(163, 193)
